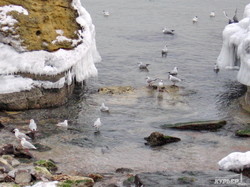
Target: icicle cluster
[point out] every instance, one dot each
(235, 52)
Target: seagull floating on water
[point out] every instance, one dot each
(150, 81)
(212, 14)
(63, 124)
(174, 71)
(216, 68)
(104, 108)
(19, 135)
(164, 51)
(97, 124)
(32, 125)
(195, 19)
(167, 31)
(174, 79)
(105, 13)
(143, 66)
(27, 145)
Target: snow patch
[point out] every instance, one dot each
(235, 161)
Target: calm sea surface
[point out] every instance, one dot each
(133, 33)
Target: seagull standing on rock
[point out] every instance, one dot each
(27, 145)
(174, 79)
(19, 135)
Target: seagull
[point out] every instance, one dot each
(143, 66)
(32, 125)
(174, 71)
(174, 79)
(104, 108)
(160, 85)
(212, 14)
(164, 51)
(27, 145)
(216, 68)
(19, 135)
(235, 19)
(195, 19)
(97, 124)
(105, 13)
(167, 31)
(63, 124)
(150, 81)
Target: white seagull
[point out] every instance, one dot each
(167, 31)
(164, 51)
(32, 125)
(160, 85)
(27, 145)
(195, 19)
(174, 71)
(104, 108)
(63, 124)
(105, 13)
(212, 14)
(150, 81)
(216, 68)
(19, 135)
(174, 79)
(143, 66)
(97, 124)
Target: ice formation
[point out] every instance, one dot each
(235, 161)
(79, 62)
(235, 52)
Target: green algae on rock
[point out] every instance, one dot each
(197, 125)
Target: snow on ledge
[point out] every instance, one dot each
(81, 59)
(235, 161)
(236, 48)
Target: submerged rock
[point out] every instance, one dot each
(197, 125)
(243, 133)
(158, 139)
(116, 90)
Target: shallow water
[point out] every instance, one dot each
(133, 33)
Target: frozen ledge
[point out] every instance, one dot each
(235, 50)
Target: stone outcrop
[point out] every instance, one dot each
(159, 139)
(46, 26)
(37, 30)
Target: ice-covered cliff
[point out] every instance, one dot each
(235, 52)
(44, 45)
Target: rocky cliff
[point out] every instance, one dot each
(45, 47)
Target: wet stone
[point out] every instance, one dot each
(159, 139)
(22, 177)
(197, 125)
(243, 133)
(123, 170)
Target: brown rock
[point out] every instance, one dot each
(158, 139)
